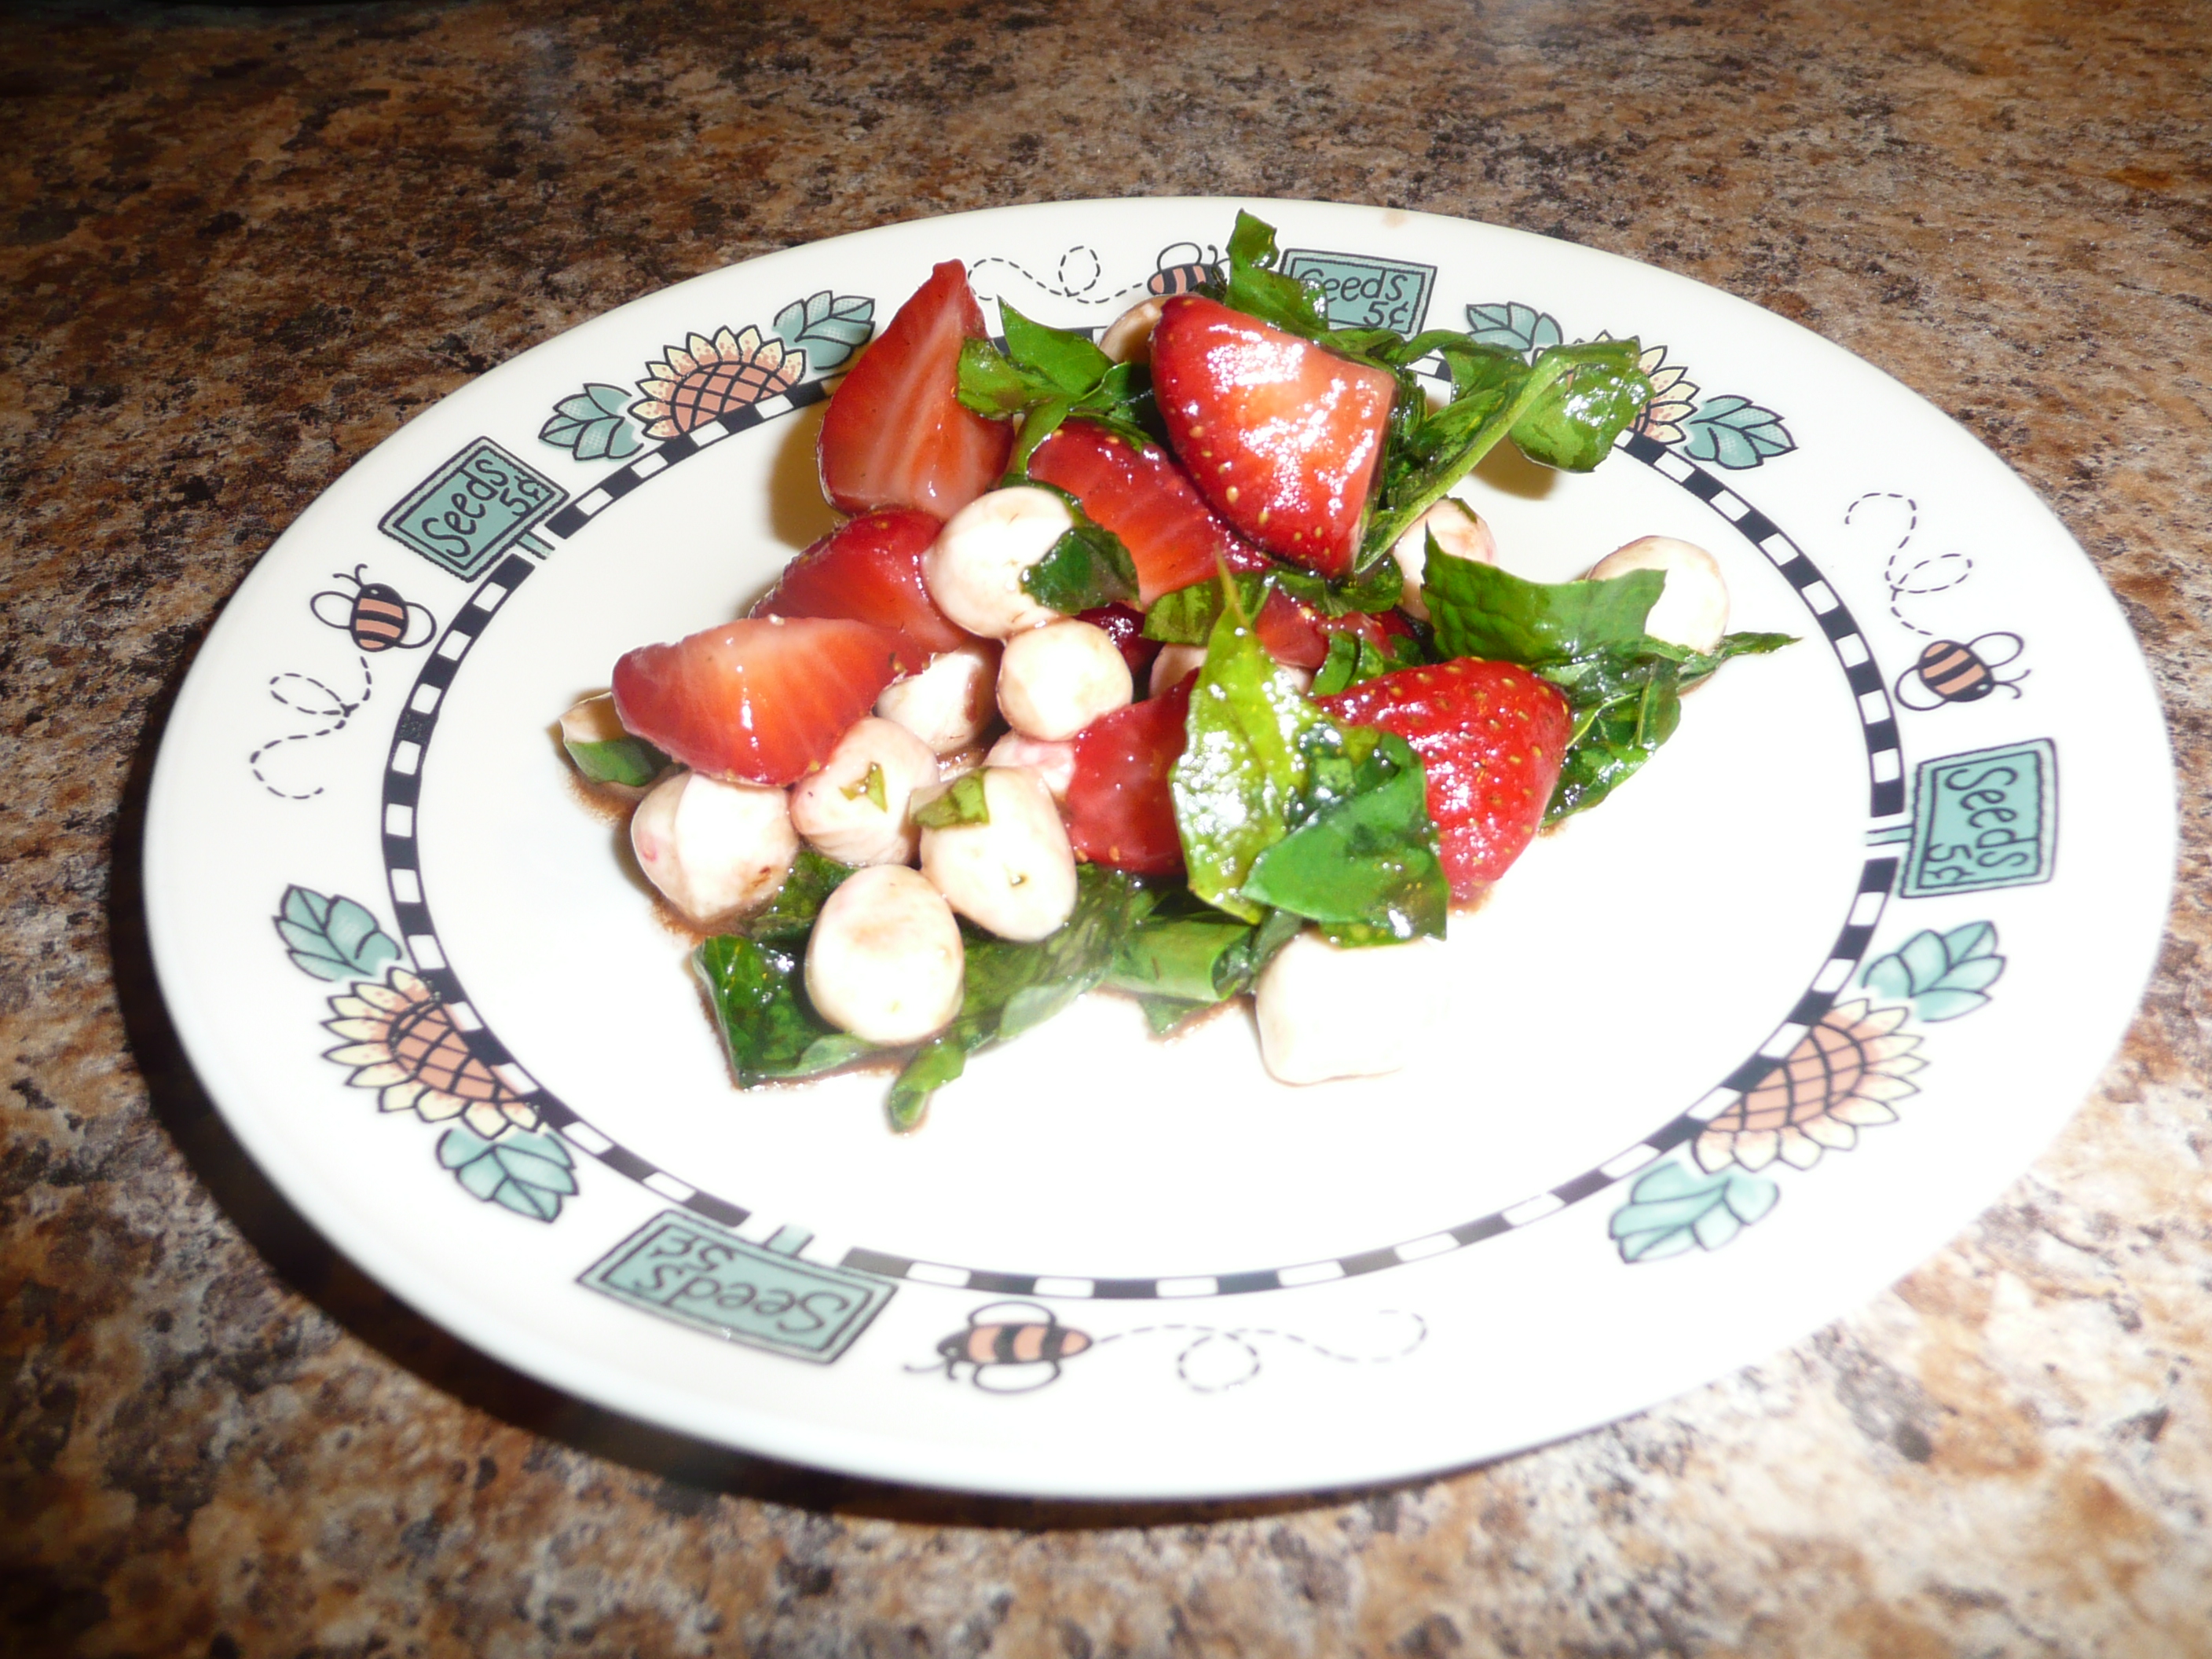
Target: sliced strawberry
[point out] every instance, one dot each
(1291, 632)
(1120, 811)
(895, 434)
(1125, 626)
(758, 701)
(869, 569)
(1280, 434)
(1490, 737)
(1145, 497)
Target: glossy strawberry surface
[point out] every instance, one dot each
(1120, 811)
(869, 569)
(762, 700)
(1280, 434)
(895, 433)
(1145, 497)
(1490, 735)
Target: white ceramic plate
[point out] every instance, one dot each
(1733, 1052)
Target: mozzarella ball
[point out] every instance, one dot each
(1459, 531)
(1173, 663)
(974, 568)
(1053, 761)
(961, 761)
(1129, 337)
(1693, 607)
(885, 960)
(713, 849)
(1318, 1008)
(1055, 680)
(951, 703)
(837, 810)
(1015, 875)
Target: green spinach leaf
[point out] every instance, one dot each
(1011, 987)
(1365, 864)
(806, 887)
(1243, 772)
(768, 1028)
(1086, 567)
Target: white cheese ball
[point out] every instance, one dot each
(1053, 761)
(1318, 1008)
(885, 962)
(1693, 607)
(1055, 680)
(1459, 531)
(1173, 663)
(1129, 337)
(1015, 875)
(713, 849)
(836, 809)
(951, 702)
(974, 568)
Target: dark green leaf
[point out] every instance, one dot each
(1187, 615)
(629, 760)
(992, 385)
(1481, 611)
(1352, 659)
(806, 887)
(1010, 986)
(1069, 361)
(1377, 588)
(1574, 424)
(1086, 567)
(768, 1028)
(964, 801)
(1182, 958)
(1243, 772)
(1365, 866)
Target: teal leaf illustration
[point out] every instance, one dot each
(1672, 1209)
(830, 327)
(332, 937)
(1513, 325)
(592, 425)
(1736, 432)
(527, 1174)
(1942, 976)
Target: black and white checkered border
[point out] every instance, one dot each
(418, 721)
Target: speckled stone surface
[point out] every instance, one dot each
(239, 247)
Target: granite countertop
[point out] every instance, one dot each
(239, 247)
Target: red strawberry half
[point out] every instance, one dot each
(1120, 811)
(1490, 737)
(1145, 497)
(757, 701)
(895, 434)
(869, 569)
(1280, 434)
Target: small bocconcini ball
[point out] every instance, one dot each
(885, 962)
(1460, 532)
(1693, 607)
(1173, 663)
(1015, 875)
(1128, 338)
(949, 703)
(974, 568)
(837, 808)
(713, 849)
(1055, 680)
(1318, 1008)
(1053, 761)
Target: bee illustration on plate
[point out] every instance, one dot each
(1008, 1347)
(1947, 671)
(1182, 267)
(376, 619)
(374, 615)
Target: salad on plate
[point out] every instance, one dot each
(1166, 662)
